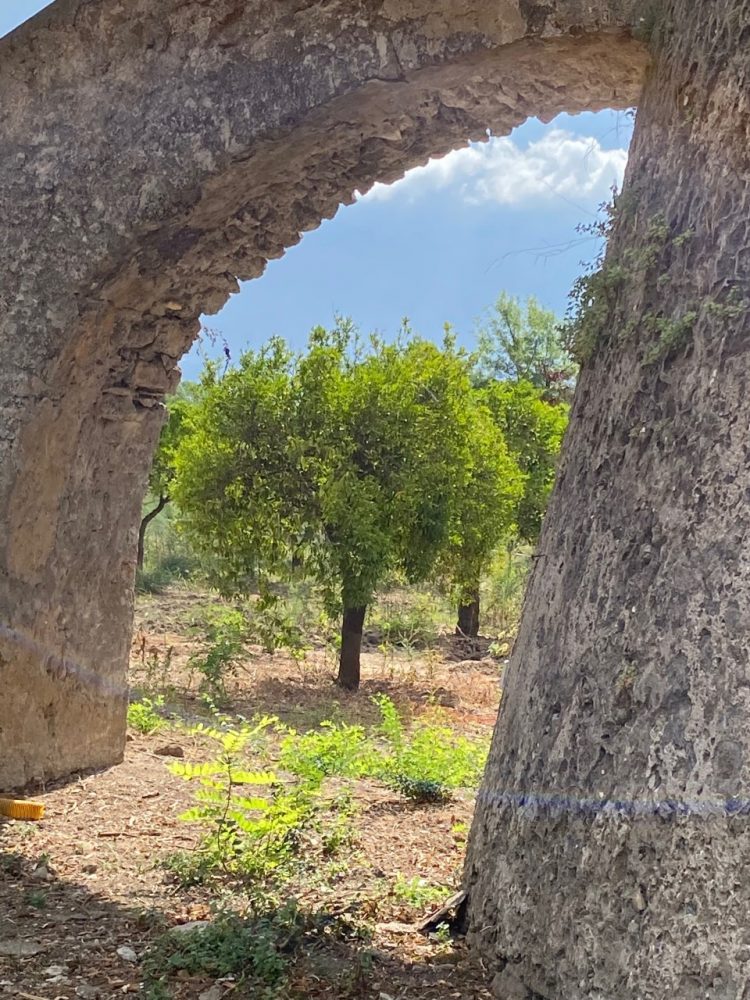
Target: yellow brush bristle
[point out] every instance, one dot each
(19, 809)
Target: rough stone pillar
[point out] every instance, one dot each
(609, 854)
(74, 457)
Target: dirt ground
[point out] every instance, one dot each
(83, 893)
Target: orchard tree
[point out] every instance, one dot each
(532, 429)
(162, 469)
(485, 514)
(525, 343)
(347, 462)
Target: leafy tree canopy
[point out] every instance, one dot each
(532, 429)
(487, 507)
(525, 343)
(348, 460)
(162, 469)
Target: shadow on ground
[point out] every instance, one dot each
(304, 704)
(58, 939)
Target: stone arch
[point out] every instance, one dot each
(148, 162)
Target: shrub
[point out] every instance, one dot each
(410, 622)
(503, 590)
(429, 763)
(144, 715)
(417, 892)
(330, 750)
(251, 949)
(250, 835)
(223, 648)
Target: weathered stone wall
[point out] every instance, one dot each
(151, 155)
(610, 850)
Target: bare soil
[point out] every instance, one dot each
(86, 881)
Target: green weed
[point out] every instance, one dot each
(426, 763)
(672, 335)
(144, 715)
(250, 949)
(410, 621)
(223, 649)
(155, 666)
(190, 868)
(460, 834)
(332, 749)
(431, 761)
(257, 949)
(254, 820)
(339, 833)
(417, 892)
(442, 933)
(37, 899)
(391, 727)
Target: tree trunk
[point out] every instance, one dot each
(351, 646)
(611, 840)
(468, 617)
(163, 501)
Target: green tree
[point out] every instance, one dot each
(347, 462)
(162, 469)
(486, 513)
(525, 343)
(532, 429)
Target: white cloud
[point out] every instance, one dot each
(559, 165)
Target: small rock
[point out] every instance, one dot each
(127, 954)
(215, 992)
(41, 874)
(18, 948)
(396, 927)
(89, 869)
(191, 925)
(446, 958)
(170, 750)
(54, 970)
(87, 992)
(385, 996)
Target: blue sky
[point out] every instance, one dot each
(440, 245)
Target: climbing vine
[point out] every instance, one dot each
(594, 319)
